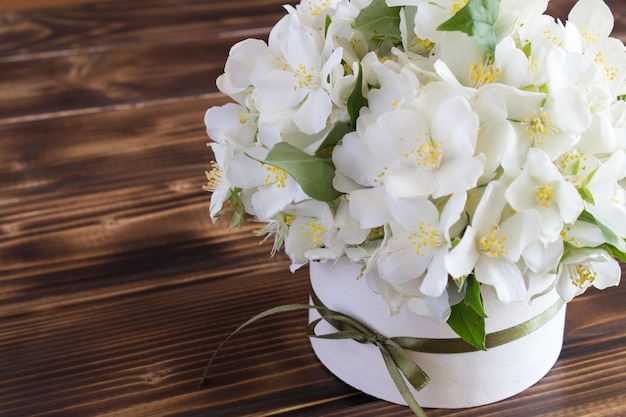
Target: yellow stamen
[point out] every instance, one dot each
(214, 176)
(427, 155)
(591, 36)
(481, 74)
(318, 7)
(457, 5)
(426, 237)
(492, 244)
(582, 275)
(544, 195)
(305, 78)
(611, 72)
(275, 176)
(538, 126)
(315, 233)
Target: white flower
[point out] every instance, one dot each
(311, 234)
(313, 12)
(271, 189)
(419, 244)
(398, 295)
(295, 76)
(491, 247)
(593, 19)
(541, 187)
(609, 198)
(552, 123)
(236, 80)
(411, 157)
(231, 124)
(217, 184)
(584, 268)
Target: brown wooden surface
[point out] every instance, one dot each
(115, 287)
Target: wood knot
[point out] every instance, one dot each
(157, 374)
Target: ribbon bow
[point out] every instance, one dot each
(394, 349)
(397, 360)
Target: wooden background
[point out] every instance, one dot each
(115, 287)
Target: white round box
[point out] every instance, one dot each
(457, 380)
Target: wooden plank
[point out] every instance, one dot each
(101, 26)
(96, 193)
(13, 5)
(98, 81)
(160, 51)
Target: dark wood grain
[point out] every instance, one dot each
(115, 287)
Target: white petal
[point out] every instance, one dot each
(406, 182)
(278, 91)
(245, 172)
(611, 217)
(551, 224)
(349, 230)
(489, 208)
(609, 274)
(240, 64)
(410, 212)
(457, 175)
(402, 264)
(452, 213)
(223, 123)
(520, 230)
(592, 15)
(569, 201)
(269, 201)
(456, 125)
(543, 257)
(566, 289)
(569, 110)
(369, 208)
(436, 308)
(356, 162)
(494, 140)
(521, 193)
(583, 234)
(436, 278)
(461, 260)
(504, 276)
(312, 115)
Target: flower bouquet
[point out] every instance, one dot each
(443, 155)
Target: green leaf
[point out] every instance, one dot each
(380, 21)
(584, 191)
(334, 136)
(476, 19)
(612, 239)
(586, 195)
(327, 25)
(315, 175)
(572, 169)
(473, 298)
(467, 318)
(356, 101)
(236, 206)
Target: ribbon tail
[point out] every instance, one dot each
(266, 313)
(413, 373)
(350, 332)
(398, 380)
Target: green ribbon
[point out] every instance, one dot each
(394, 349)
